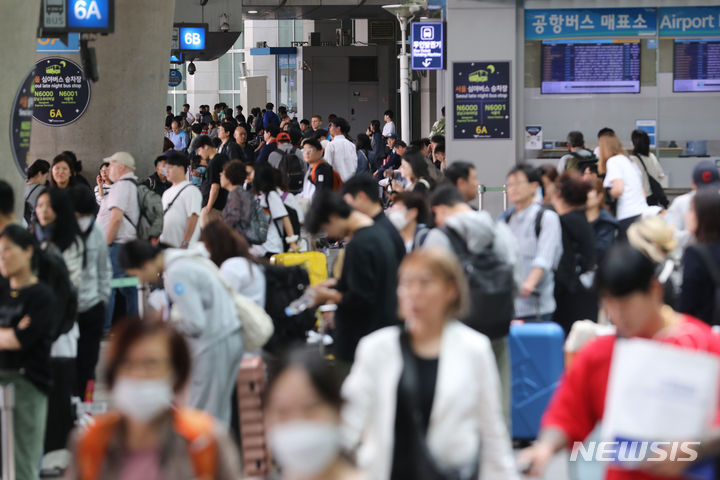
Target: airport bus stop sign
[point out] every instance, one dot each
(428, 46)
(62, 93)
(175, 78)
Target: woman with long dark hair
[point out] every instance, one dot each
(58, 233)
(700, 287)
(270, 197)
(362, 144)
(27, 321)
(414, 170)
(646, 161)
(377, 142)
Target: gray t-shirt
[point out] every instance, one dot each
(122, 195)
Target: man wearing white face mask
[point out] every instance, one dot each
(409, 215)
(303, 420)
(147, 437)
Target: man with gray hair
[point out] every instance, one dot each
(577, 153)
(119, 214)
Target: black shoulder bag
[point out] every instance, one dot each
(657, 193)
(426, 467)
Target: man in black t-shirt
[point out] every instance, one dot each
(361, 193)
(365, 292)
(214, 197)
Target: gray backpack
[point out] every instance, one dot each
(150, 223)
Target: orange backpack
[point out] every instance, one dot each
(196, 427)
(337, 179)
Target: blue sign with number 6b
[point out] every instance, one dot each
(175, 78)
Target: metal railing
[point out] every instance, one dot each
(482, 190)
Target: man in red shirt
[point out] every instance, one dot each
(633, 298)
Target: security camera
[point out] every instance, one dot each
(191, 68)
(224, 22)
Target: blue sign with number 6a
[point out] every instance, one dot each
(175, 78)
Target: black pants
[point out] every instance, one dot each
(623, 226)
(60, 414)
(91, 332)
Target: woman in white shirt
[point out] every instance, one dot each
(624, 180)
(230, 251)
(427, 396)
(271, 199)
(647, 162)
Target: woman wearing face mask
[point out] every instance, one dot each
(631, 287)
(150, 435)
(409, 214)
(302, 417)
(426, 397)
(203, 310)
(26, 321)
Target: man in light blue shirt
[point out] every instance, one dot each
(539, 240)
(178, 136)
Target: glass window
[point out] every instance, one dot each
(239, 68)
(227, 98)
(225, 74)
(285, 32)
(287, 81)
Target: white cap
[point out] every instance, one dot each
(122, 157)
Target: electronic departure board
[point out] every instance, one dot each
(598, 66)
(696, 65)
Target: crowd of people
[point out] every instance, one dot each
(420, 377)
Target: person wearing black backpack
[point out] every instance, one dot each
(27, 322)
(289, 160)
(487, 252)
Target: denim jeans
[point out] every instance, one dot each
(128, 293)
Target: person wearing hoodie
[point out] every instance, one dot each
(93, 290)
(480, 232)
(204, 311)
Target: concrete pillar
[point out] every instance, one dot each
(484, 31)
(127, 105)
(18, 32)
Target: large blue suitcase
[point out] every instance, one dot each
(537, 359)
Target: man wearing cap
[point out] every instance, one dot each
(704, 174)
(284, 145)
(181, 204)
(118, 215)
(341, 153)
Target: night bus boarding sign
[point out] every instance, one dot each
(481, 92)
(62, 93)
(428, 46)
